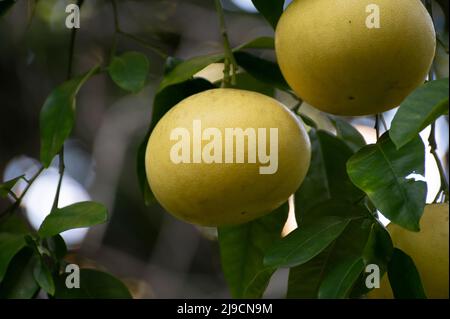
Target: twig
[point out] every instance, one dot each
(139, 40)
(73, 36)
(377, 126)
(22, 195)
(229, 61)
(433, 150)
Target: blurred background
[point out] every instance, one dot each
(155, 254)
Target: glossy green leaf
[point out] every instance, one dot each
(83, 214)
(341, 280)
(270, 9)
(384, 174)
(57, 245)
(327, 177)
(404, 277)
(19, 282)
(129, 71)
(242, 250)
(258, 43)
(331, 271)
(94, 284)
(163, 102)
(6, 187)
(305, 242)
(14, 224)
(185, 70)
(58, 115)
(43, 277)
(10, 245)
(348, 134)
(419, 110)
(264, 70)
(245, 81)
(304, 280)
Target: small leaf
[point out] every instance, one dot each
(94, 284)
(349, 134)
(58, 115)
(305, 242)
(242, 251)
(419, 110)
(264, 70)
(270, 9)
(83, 214)
(129, 71)
(404, 277)
(307, 120)
(19, 282)
(258, 43)
(10, 245)
(326, 274)
(43, 277)
(383, 173)
(185, 70)
(6, 187)
(341, 279)
(327, 177)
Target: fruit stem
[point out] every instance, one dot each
(433, 150)
(377, 126)
(229, 61)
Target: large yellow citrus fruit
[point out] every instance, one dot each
(215, 192)
(335, 62)
(429, 250)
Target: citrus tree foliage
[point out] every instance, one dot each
(336, 207)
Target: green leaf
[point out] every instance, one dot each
(6, 187)
(57, 245)
(340, 281)
(304, 280)
(5, 5)
(58, 115)
(185, 70)
(258, 43)
(264, 70)
(43, 277)
(129, 71)
(270, 9)
(383, 173)
(245, 81)
(242, 250)
(327, 177)
(13, 224)
(163, 102)
(306, 242)
(10, 245)
(419, 110)
(307, 120)
(404, 277)
(348, 134)
(94, 284)
(83, 214)
(19, 282)
(328, 270)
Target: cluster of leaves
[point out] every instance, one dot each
(336, 206)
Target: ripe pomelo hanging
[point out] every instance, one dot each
(226, 156)
(336, 56)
